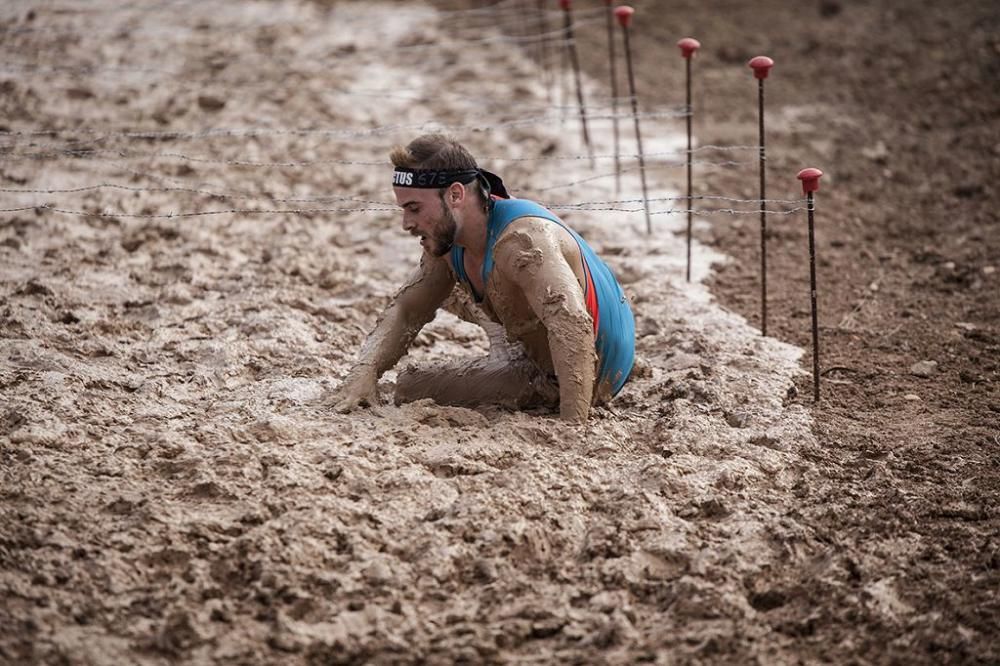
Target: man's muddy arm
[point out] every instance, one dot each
(531, 256)
(411, 308)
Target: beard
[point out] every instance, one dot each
(439, 241)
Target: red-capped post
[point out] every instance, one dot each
(614, 93)
(810, 183)
(761, 66)
(688, 47)
(624, 15)
(571, 49)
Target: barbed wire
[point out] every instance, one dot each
(370, 206)
(347, 133)
(491, 13)
(577, 158)
(222, 193)
(394, 209)
(520, 19)
(492, 10)
(501, 39)
(478, 10)
(594, 103)
(511, 20)
(163, 28)
(120, 154)
(172, 215)
(214, 193)
(635, 169)
(194, 190)
(700, 149)
(144, 6)
(112, 154)
(696, 197)
(443, 54)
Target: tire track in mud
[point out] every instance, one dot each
(174, 484)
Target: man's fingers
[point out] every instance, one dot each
(345, 406)
(352, 402)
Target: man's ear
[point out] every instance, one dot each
(455, 194)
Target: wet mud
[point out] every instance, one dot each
(175, 482)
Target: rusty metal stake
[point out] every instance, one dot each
(624, 14)
(688, 47)
(571, 50)
(543, 45)
(761, 65)
(810, 183)
(614, 95)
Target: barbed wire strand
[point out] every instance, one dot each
(313, 211)
(595, 103)
(213, 193)
(505, 21)
(194, 190)
(112, 154)
(346, 133)
(647, 168)
(378, 206)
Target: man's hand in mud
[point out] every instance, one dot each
(359, 388)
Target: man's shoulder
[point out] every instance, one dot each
(534, 235)
(529, 229)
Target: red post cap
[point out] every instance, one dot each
(624, 15)
(688, 46)
(565, 4)
(761, 65)
(810, 179)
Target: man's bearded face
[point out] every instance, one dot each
(426, 216)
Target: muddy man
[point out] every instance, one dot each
(570, 334)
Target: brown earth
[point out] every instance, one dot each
(898, 103)
(174, 487)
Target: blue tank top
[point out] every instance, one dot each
(614, 325)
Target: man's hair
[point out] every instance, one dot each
(433, 151)
(436, 151)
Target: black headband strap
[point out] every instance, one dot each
(493, 183)
(438, 178)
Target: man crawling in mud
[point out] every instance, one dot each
(570, 334)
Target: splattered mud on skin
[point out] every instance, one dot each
(173, 484)
(546, 285)
(408, 311)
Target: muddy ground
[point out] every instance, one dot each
(204, 234)
(897, 103)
